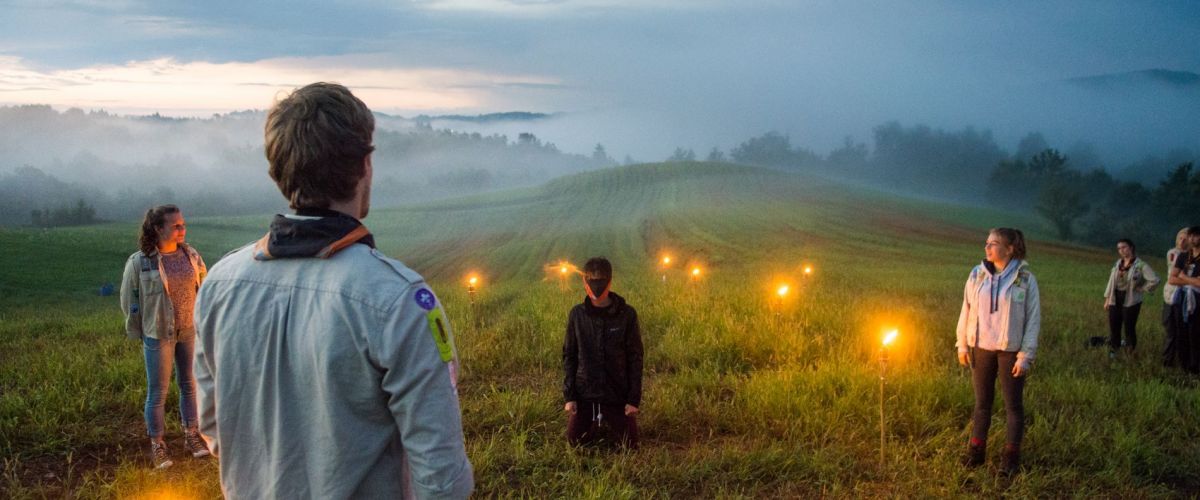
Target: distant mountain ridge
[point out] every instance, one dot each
(508, 116)
(1184, 80)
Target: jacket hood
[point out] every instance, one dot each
(309, 233)
(1015, 266)
(618, 303)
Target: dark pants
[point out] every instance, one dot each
(987, 365)
(1170, 355)
(1183, 344)
(584, 427)
(1120, 316)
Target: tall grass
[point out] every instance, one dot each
(746, 395)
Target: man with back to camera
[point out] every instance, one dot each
(602, 362)
(325, 369)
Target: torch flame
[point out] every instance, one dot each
(667, 260)
(807, 269)
(890, 336)
(563, 269)
(473, 280)
(783, 290)
(695, 272)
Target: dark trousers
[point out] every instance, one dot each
(1170, 355)
(584, 427)
(987, 366)
(1120, 316)
(1183, 339)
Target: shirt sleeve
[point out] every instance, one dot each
(1151, 278)
(964, 313)
(570, 356)
(1033, 324)
(633, 361)
(131, 299)
(421, 395)
(203, 368)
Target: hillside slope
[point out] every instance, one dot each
(746, 393)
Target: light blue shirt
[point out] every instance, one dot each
(328, 378)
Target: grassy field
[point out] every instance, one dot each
(746, 395)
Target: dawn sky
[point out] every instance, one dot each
(646, 76)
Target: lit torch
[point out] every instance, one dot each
(471, 282)
(666, 263)
(888, 338)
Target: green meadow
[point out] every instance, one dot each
(746, 394)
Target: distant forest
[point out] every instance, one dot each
(72, 167)
(1147, 201)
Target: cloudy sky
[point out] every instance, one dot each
(640, 76)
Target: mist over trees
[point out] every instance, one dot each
(118, 166)
(1074, 192)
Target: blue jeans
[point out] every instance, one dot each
(161, 356)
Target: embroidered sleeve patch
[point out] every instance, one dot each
(1019, 295)
(441, 337)
(425, 299)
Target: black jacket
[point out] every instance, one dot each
(602, 354)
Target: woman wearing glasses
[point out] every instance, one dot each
(158, 295)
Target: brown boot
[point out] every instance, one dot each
(1010, 459)
(975, 453)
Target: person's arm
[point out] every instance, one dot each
(412, 350)
(961, 330)
(1108, 289)
(1033, 326)
(570, 357)
(1176, 276)
(633, 364)
(201, 270)
(204, 369)
(131, 300)
(1152, 279)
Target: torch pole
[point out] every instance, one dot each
(882, 435)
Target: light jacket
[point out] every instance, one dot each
(1019, 307)
(327, 377)
(144, 298)
(1169, 289)
(1139, 279)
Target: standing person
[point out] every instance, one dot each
(1130, 278)
(602, 362)
(997, 336)
(1170, 355)
(326, 369)
(1185, 315)
(158, 294)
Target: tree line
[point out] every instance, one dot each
(1073, 192)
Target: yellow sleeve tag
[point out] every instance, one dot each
(441, 335)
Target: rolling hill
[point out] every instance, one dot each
(747, 394)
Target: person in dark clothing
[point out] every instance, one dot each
(602, 362)
(1185, 315)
